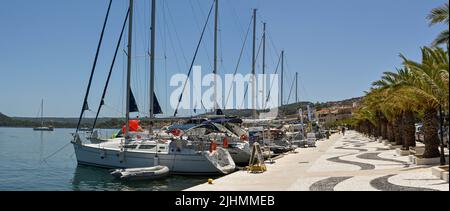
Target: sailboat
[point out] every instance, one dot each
(180, 155)
(43, 127)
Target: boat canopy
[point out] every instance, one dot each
(224, 120)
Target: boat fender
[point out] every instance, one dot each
(225, 142)
(103, 154)
(176, 132)
(244, 137)
(212, 146)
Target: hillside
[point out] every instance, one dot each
(286, 110)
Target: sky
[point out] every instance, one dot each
(338, 47)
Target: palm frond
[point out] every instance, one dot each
(439, 15)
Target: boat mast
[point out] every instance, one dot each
(42, 113)
(129, 53)
(216, 23)
(85, 103)
(264, 66)
(282, 76)
(215, 71)
(254, 67)
(152, 61)
(296, 87)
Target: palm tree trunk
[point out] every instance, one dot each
(398, 130)
(390, 132)
(378, 126)
(409, 130)
(384, 128)
(430, 128)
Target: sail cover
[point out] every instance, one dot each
(156, 106)
(132, 104)
(86, 106)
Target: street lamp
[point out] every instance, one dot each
(441, 116)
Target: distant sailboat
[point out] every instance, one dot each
(42, 127)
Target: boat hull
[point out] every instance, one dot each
(240, 156)
(180, 164)
(43, 129)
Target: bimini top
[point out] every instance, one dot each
(224, 120)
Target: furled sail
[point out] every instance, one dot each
(156, 106)
(85, 106)
(132, 103)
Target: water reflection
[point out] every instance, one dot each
(92, 178)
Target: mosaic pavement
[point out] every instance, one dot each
(361, 164)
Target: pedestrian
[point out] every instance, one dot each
(343, 131)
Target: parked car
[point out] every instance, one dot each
(419, 133)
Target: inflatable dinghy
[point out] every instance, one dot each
(136, 174)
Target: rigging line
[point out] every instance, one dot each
(124, 63)
(137, 69)
(56, 152)
(256, 60)
(238, 23)
(93, 67)
(166, 101)
(272, 42)
(177, 35)
(290, 92)
(193, 60)
(239, 59)
(113, 109)
(207, 29)
(273, 80)
(221, 43)
(300, 78)
(172, 45)
(102, 101)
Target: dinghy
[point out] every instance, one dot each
(134, 174)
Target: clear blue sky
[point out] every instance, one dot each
(338, 47)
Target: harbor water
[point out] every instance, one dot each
(45, 161)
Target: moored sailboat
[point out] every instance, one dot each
(181, 156)
(42, 127)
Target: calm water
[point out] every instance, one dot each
(23, 166)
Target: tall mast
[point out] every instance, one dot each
(42, 112)
(264, 66)
(282, 76)
(85, 103)
(296, 87)
(215, 71)
(129, 53)
(254, 67)
(152, 60)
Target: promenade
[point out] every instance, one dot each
(342, 163)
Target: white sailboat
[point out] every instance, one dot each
(43, 127)
(178, 154)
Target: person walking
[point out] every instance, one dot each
(343, 131)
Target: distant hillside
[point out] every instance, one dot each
(286, 110)
(4, 118)
(342, 102)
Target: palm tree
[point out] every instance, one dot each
(440, 15)
(430, 88)
(398, 105)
